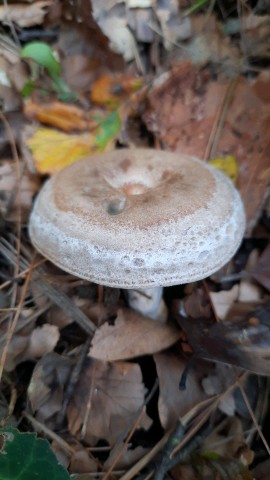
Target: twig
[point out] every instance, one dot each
(13, 325)
(73, 380)
(258, 428)
(58, 297)
(38, 426)
(174, 439)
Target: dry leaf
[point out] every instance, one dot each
(172, 402)
(42, 340)
(20, 338)
(107, 401)
(132, 335)
(128, 456)
(81, 462)
(53, 150)
(182, 113)
(111, 91)
(24, 15)
(59, 115)
(46, 389)
(249, 291)
(226, 440)
(217, 382)
(223, 300)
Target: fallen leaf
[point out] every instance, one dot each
(227, 440)
(128, 456)
(20, 338)
(223, 300)
(46, 388)
(182, 112)
(132, 335)
(107, 401)
(24, 15)
(172, 402)
(53, 150)
(218, 381)
(59, 115)
(112, 90)
(228, 165)
(81, 462)
(249, 291)
(42, 340)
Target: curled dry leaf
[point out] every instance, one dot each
(172, 402)
(107, 401)
(130, 336)
(59, 115)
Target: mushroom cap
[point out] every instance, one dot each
(138, 218)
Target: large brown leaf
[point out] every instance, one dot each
(107, 401)
(130, 336)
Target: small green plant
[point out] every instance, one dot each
(42, 56)
(23, 456)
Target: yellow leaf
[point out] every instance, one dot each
(228, 165)
(53, 150)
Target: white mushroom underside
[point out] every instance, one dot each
(119, 253)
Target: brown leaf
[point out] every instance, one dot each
(128, 456)
(107, 401)
(46, 389)
(59, 115)
(132, 335)
(81, 462)
(172, 402)
(183, 110)
(42, 340)
(223, 300)
(24, 15)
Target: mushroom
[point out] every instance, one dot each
(138, 218)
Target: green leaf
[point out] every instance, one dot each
(42, 54)
(108, 128)
(28, 88)
(196, 5)
(23, 456)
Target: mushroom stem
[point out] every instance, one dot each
(148, 302)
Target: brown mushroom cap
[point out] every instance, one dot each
(137, 218)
